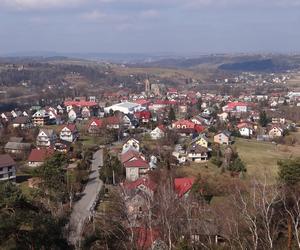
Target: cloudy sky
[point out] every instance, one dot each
(151, 26)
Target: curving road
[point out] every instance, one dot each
(82, 208)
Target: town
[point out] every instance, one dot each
(159, 165)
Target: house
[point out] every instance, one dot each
(46, 138)
(95, 126)
(7, 116)
(197, 153)
(183, 186)
(130, 121)
(131, 143)
(38, 156)
(158, 133)
(17, 148)
(142, 185)
(223, 137)
(72, 115)
(223, 116)
(22, 122)
(69, 133)
(238, 107)
(245, 129)
(85, 113)
(40, 118)
(7, 168)
(201, 140)
(136, 169)
(113, 122)
(275, 131)
(143, 116)
(183, 124)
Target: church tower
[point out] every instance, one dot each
(147, 86)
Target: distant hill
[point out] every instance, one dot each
(251, 63)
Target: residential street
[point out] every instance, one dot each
(82, 208)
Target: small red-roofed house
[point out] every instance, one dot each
(130, 155)
(245, 129)
(158, 133)
(95, 126)
(143, 116)
(38, 156)
(144, 185)
(183, 186)
(136, 168)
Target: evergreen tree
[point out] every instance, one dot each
(289, 171)
(263, 119)
(172, 115)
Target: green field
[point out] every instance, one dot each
(261, 157)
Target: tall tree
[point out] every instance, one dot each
(172, 115)
(263, 119)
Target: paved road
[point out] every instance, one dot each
(82, 208)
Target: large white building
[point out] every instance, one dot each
(124, 107)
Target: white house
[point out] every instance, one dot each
(45, 138)
(40, 118)
(158, 132)
(131, 143)
(69, 133)
(72, 115)
(7, 168)
(246, 131)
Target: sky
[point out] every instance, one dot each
(150, 26)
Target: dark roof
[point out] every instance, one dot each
(21, 120)
(6, 161)
(195, 148)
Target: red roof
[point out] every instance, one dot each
(162, 127)
(244, 125)
(232, 105)
(142, 102)
(199, 128)
(183, 185)
(71, 127)
(145, 237)
(128, 155)
(112, 120)
(139, 163)
(186, 123)
(98, 122)
(80, 103)
(165, 102)
(141, 181)
(143, 114)
(40, 155)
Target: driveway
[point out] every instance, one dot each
(82, 209)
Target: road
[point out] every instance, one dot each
(82, 208)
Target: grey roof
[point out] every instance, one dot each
(17, 146)
(15, 139)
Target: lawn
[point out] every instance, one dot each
(261, 157)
